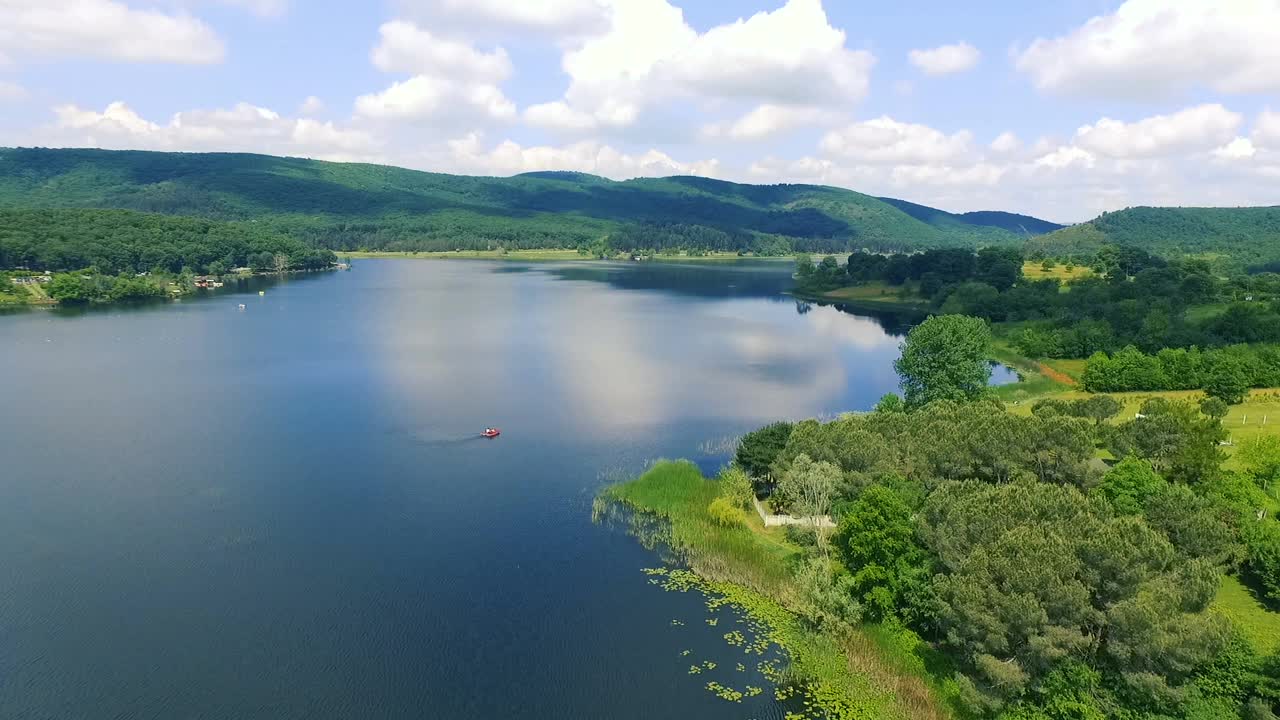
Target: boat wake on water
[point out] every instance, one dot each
(436, 439)
(433, 439)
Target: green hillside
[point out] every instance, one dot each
(372, 207)
(1245, 236)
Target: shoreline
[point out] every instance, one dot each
(36, 298)
(852, 672)
(548, 255)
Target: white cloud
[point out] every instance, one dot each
(1161, 160)
(507, 158)
(768, 120)
(1065, 157)
(556, 18)
(263, 8)
(978, 174)
(1196, 128)
(311, 106)
(1006, 143)
(424, 97)
(453, 82)
(404, 47)
(104, 29)
(946, 59)
(1238, 149)
(1157, 48)
(10, 92)
(790, 56)
(1266, 129)
(559, 116)
(243, 128)
(885, 141)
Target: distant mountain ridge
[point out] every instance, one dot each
(359, 206)
(1024, 225)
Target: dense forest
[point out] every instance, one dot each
(97, 256)
(120, 241)
(1247, 236)
(1056, 587)
(371, 207)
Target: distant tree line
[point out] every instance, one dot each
(1130, 298)
(121, 241)
(1228, 371)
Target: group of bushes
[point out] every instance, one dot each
(1226, 373)
(1059, 589)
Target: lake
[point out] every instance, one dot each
(286, 511)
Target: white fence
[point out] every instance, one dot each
(779, 520)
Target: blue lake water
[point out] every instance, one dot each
(286, 511)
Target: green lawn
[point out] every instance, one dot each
(878, 295)
(1033, 271)
(25, 295)
(1260, 625)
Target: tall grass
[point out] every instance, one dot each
(1260, 625)
(677, 492)
(852, 673)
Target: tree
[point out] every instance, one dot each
(945, 358)
(1000, 268)
(1261, 457)
(68, 288)
(890, 403)
(1129, 485)
(1193, 523)
(1214, 407)
(1180, 442)
(1262, 543)
(735, 486)
(1032, 574)
(804, 267)
(811, 486)
(1100, 408)
(1227, 382)
(876, 539)
(758, 449)
(261, 261)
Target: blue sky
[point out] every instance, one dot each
(1056, 109)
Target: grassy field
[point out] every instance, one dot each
(1034, 271)
(25, 295)
(1260, 625)
(860, 674)
(876, 296)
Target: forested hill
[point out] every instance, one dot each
(356, 206)
(1249, 235)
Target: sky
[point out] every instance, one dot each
(1060, 110)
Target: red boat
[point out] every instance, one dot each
(491, 432)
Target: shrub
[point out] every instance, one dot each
(736, 487)
(723, 513)
(1262, 543)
